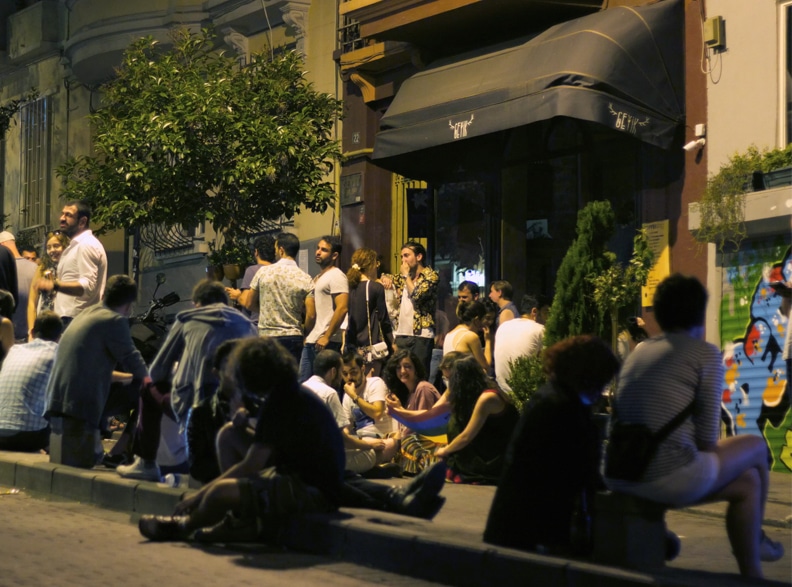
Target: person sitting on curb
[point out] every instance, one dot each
(667, 375)
(79, 393)
(294, 462)
(361, 456)
(182, 371)
(364, 407)
(23, 387)
(553, 456)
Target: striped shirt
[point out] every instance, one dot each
(23, 386)
(659, 379)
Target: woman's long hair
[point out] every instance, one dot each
(389, 374)
(469, 311)
(363, 259)
(466, 384)
(46, 262)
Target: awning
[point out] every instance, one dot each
(621, 68)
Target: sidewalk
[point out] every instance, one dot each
(449, 549)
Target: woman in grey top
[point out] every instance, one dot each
(658, 381)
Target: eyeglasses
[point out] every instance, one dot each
(54, 233)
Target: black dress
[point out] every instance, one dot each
(482, 460)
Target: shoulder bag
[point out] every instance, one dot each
(631, 447)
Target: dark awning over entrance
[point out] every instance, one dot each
(621, 68)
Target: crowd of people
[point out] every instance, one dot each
(293, 392)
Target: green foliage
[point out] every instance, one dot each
(722, 206)
(230, 253)
(618, 287)
(8, 110)
(187, 135)
(574, 310)
(526, 378)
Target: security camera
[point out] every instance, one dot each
(697, 144)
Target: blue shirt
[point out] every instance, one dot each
(23, 386)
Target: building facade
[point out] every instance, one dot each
(749, 68)
(66, 49)
(483, 127)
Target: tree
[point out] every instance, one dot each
(186, 134)
(574, 310)
(619, 286)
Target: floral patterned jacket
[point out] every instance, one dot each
(424, 298)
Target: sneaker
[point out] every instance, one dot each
(113, 461)
(163, 528)
(769, 550)
(231, 529)
(140, 469)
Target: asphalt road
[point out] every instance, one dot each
(67, 544)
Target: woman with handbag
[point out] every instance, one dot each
(369, 331)
(673, 384)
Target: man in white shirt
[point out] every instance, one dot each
(326, 307)
(82, 269)
(328, 368)
(520, 337)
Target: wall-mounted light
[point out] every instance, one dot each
(697, 144)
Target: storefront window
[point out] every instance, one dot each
(462, 237)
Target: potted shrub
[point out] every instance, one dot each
(722, 205)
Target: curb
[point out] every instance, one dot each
(407, 546)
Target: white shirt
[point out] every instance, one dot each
(330, 283)
(330, 397)
(375, 391)
(84, 261)
(513, 339)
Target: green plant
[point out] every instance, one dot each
(619, 286)
(526, 378)
(186, 135)
(722, 205)
(9, 109)
(229, 253)
(574, 310)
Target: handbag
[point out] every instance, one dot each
(631, 447)
(374, 351)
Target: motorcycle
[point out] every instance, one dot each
(149, 328)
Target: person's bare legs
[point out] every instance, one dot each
(233, 443)
(743, 481)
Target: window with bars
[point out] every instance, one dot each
(35, 122)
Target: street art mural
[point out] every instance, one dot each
(756, 394)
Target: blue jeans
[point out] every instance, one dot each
(293, 344)
(308, 356)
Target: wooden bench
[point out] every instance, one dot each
(630, 532)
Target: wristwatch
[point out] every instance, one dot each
(55, 285)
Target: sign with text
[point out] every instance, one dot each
(657, 235)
